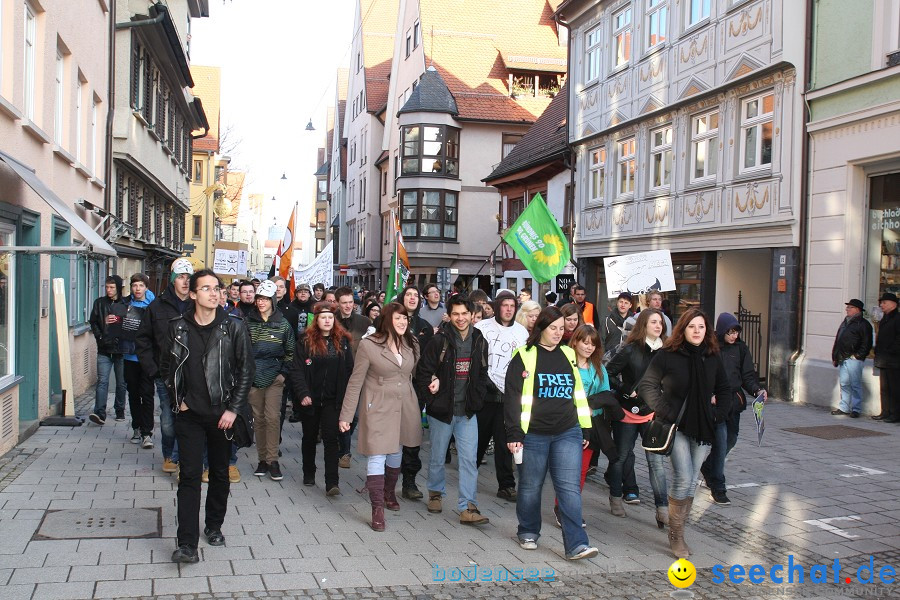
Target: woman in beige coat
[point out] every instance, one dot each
(389, 415)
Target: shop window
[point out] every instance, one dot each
(688, 281)
(7, 299)
(884, 239)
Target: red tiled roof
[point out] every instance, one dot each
(468, 49)
(545, 140)
(378, 27)
(206, 144)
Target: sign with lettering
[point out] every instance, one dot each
(639, 273)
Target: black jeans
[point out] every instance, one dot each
(140, 397)
(322, 418)
(410, 465)
(490, 424)
(890, 393)
(196, 433)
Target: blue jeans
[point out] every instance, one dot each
(687, 457)
(851, 385)
(561, 455)
(713, 468)
(105, 363)
(465, 430)
(625, 435)
(166, 422)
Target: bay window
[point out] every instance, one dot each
(429, 150)
(428, 214)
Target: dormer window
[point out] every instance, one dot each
(429, 150)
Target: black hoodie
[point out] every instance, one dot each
(106, 334)
(155, 327)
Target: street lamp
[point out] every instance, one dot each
(309, 126)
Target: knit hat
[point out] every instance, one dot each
(303, 286)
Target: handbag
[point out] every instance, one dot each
(241, 430)
(659, 436)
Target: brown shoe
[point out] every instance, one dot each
(205, 477)
(471, 516)
(344, 462)
(234, 476)
(169, 466)
(616, 507)
(434, 502)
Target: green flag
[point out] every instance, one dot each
(391, 291)
(538, 241)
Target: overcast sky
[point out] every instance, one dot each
(278, 61)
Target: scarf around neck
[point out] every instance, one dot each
(698, 422)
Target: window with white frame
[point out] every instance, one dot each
(696, 11)
(661, 158)
(79, 117)
(408, 43)
(362, 194)
(350, 192)
(622, 37)
(417, 34)
(757, 128)
(362, 147)
(7, 302)
(597, 169)
(92, 140)
(60, 98)
(592, 54)
(657, 22)
(30, 49)
(704, 146)
(625, 166)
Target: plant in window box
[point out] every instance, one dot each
(521, 87)
(551, 90)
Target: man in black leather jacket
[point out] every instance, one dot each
(851, 347)
(208, 372)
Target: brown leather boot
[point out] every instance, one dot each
(391, 474)
(677, 514)
(375, 485)
(616, 507)
(662, 516)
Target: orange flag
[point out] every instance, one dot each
(287, 249)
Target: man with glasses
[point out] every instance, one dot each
(208, 369)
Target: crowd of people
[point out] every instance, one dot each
(544, 389)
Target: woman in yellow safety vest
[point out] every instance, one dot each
(548, 424)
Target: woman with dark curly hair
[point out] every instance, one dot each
(321, 368)
(686, 384)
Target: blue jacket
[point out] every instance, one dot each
(131, 324)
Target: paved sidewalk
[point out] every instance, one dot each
(812, 498)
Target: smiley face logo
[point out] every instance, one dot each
(682, 573)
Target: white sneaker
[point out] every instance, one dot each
(147, 442)
(702, 483)
(585, 552)
(528, 543)
(136, 436)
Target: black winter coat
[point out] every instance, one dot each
(855, 341)
(289, 311)
(154, 329)
(740, 371)
(665, 385)
(107, 343)
(887, 345)
(308, 374)
(227, 363)
(440, 405)
(630, 362)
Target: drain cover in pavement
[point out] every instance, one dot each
(834, 432)
(100, 523)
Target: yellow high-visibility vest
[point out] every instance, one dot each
(529, 359)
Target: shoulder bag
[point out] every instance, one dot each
(241, 430)
(659, 436)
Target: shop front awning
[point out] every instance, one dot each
(93, 241)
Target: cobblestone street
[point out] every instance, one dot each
(815, 499)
